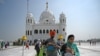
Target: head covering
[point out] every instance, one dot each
(52, 33)
(60, 37)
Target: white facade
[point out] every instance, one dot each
(46, 23)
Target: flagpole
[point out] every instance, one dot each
(27, 6)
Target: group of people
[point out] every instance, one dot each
(53, 48)
(92, 42)
(4, 44)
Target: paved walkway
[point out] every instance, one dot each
(89, 50)
(17, 51)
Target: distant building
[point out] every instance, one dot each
(46, 23)
(92, 40)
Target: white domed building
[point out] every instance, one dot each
(46, 23)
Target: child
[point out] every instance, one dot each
(66, 51)
(69, 52)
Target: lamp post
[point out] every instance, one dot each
(23, 39)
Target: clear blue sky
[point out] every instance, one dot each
(83, 16)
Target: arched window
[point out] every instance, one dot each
(28, 20)
(28, 32)
(43, 31)
(31, 32)
(46, 20)
(47, 31)
(63, 29)
(40, 31)
(35, 31)
(57, 31)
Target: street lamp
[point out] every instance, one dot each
(23, 39)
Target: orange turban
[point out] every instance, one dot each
(52, 33)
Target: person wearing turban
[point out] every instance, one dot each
(51, 45)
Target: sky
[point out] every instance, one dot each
(83, 17)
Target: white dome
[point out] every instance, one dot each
(30, 15)
(47, 16)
